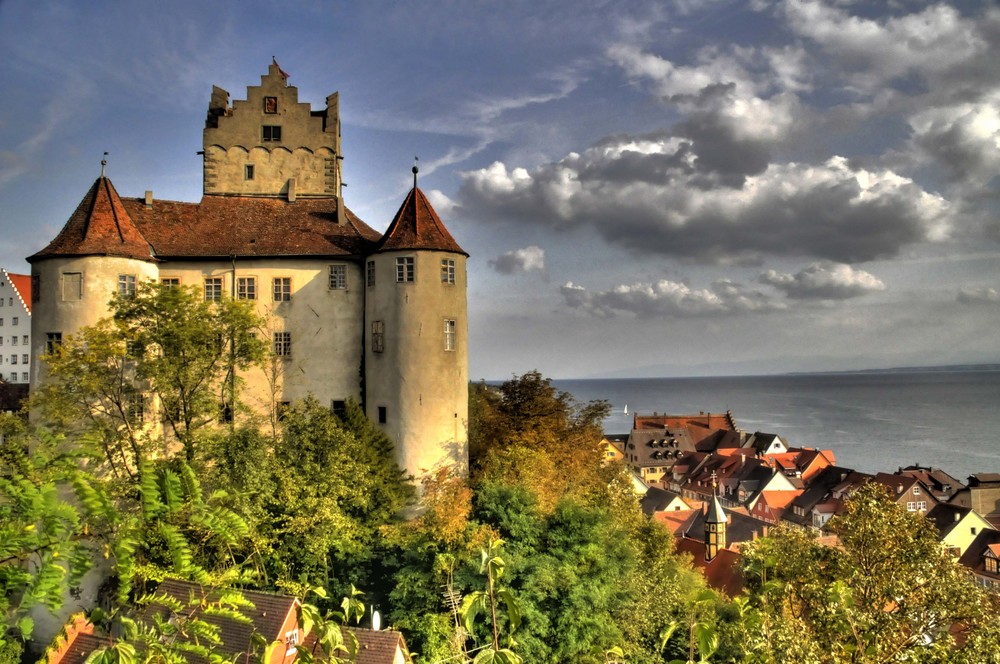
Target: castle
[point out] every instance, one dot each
(352, 313)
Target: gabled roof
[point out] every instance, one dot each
(722, 572)
(268, 615)
(22, 286)
(417, 226)
(100, 226)
(379, 647)
(986, 542)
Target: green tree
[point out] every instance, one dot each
(190, 351)
(488, 601)
(888, 593)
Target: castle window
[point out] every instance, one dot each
(339, 408)
(52, 341)
(13, 321)
(282, 289)
(383, 414)
(36, 288)
(283, 344)
(371, 274)
(447, 271)
(1, 341)
(72, 286)
(13, 360)
(1, 322)
(449, 335)
(24, 340)
(24, 359)
(170, 282)
(405, 270)
(270, 105)
(24, 376)
(126, 285)
(338, 277)
(13, 340)
(246, 288)
(271, 133)
(248, 172)
(378, 336)
(213, 289)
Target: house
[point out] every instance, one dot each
(907, 492)
(15, 327)
(982, 493)
(935, 481)
(771, 505)
(801, 462)
(957, 526)
(766, 443)
(983, 559)
(824, 488)
(661, 500)
(351, 313)
(656, 440)
(274, 617)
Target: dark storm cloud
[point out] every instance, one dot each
(829, 211)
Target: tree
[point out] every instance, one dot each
(190, 351)
(529, 433)
(888, 593)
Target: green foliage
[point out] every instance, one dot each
(487, 602)
(888, 593)
(41, 554)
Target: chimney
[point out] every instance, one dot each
(899, 488)
(149, 199)
(958, 517)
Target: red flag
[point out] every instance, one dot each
(284, 74)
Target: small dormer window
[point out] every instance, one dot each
(992, 565)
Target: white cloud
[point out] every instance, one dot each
(823, 281)
(872, 52)
(963, 137)
(668, 298)
(527, 259)
(981, 295)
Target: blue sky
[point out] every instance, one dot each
(671, 188)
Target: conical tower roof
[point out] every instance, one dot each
(417, 226)
(99, 227)
(715, 512)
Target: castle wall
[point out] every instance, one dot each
(74, 292)
(422, 386)
(324, 324)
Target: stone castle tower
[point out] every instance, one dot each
(352, 313)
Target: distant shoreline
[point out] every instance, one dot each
(946, 368)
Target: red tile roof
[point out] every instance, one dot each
(21, 284)
(219, 226)
(100, 226)
(379, 647)
(722, 572)
(246, 226)
(417, 226)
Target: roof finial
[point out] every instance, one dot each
(415, 171)
(104, 164)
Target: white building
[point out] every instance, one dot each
(15, 327)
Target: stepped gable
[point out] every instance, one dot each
(100, 226)
(416, 226)
(250, 226)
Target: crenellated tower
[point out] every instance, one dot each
(270, 144)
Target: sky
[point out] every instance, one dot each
(681, 188)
